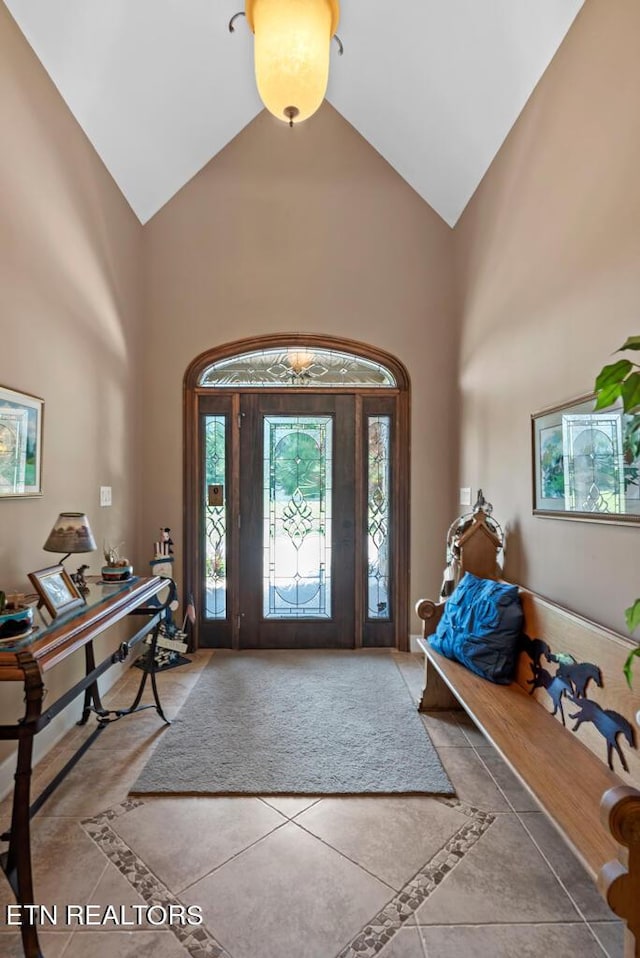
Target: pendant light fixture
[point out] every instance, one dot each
(291, 53)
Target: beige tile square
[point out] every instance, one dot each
(502, 878)
(471, 780)
(610, 934)
(141, 730)
(67, 865)
(411, 668)
(444, 729)
(114, 889)
(571, 872)
(51, 944)
(406, 943)
(471, 730)
(287, 892)
(100, 780)
(392, 838)
(514, 791)
(508, 941)
(182, 839)
(124, 944)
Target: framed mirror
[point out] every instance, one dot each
(586, 464)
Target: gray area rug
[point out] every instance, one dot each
(308, 722)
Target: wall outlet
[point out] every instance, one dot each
(465, 496)
(105, 495)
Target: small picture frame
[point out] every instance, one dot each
(56, 590)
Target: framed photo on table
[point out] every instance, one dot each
(20, 444)
(56, 590)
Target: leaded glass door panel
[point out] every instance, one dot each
(297, 521)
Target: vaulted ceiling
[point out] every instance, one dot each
(161, 86)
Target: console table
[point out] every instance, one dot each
(28, 660)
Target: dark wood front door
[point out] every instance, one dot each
(297, 521)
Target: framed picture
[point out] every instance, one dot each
(56, 590)
(20, 444)
(586, 464)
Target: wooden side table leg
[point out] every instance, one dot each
(17, 866)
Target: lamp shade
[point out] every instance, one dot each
(291, 51)
(71, 533)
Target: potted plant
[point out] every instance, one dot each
(621, 381)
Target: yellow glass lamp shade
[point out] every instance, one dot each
(291, 50)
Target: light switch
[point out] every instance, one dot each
(105, 495)
(465, 496)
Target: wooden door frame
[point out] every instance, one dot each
(192, 480)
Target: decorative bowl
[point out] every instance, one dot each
(116, 573)
(16, 622)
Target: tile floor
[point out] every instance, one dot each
(480, 876)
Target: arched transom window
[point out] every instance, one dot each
(297, 366)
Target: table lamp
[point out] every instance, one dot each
(71, 534)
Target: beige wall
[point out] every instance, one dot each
(69, 313)
(548, 280)
(303, 230)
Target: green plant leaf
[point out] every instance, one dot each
(633, 342)
(613, 374)
(632, 615)
(627, 668)
(630, 391)
(607, 396)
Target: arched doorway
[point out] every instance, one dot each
(296, 494)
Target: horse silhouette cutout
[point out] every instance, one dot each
(555, 687)
(579, 674)
(535, 649)
(609, 723)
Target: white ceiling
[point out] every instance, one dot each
(161, 86)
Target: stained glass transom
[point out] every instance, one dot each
(215, 520)
(298, 453)
(297, 366)
(378, 517)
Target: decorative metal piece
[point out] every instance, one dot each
(291, 112)
(570, 682)
(610, 724)
(339, 42)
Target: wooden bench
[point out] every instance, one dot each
(596, 810)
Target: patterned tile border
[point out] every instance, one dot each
(369, 941)
(196, 939)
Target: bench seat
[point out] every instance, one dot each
(569, 769)
(563, 775)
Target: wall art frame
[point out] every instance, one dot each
(586, 463)
(56, 590)
(21, 418)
